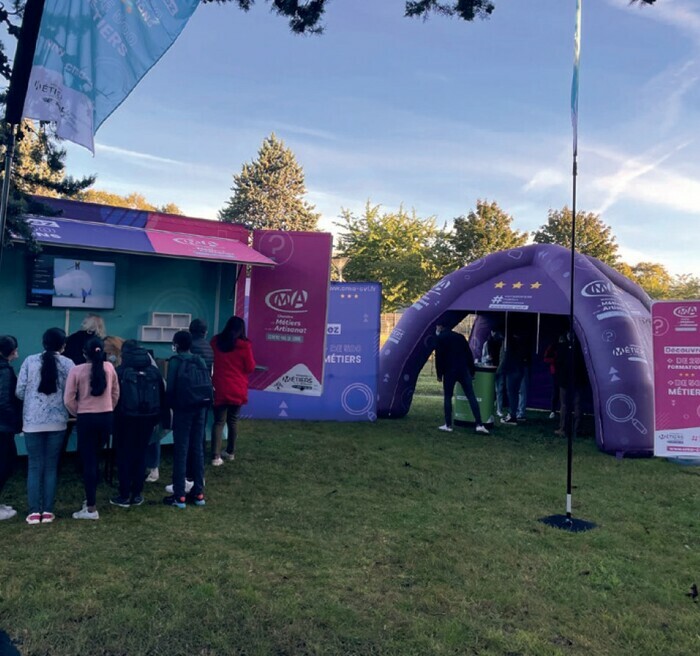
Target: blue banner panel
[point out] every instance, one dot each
(352, 352)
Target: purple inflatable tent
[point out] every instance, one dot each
(612, 322)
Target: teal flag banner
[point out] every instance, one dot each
(90, 55)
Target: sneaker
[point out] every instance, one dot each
(136, 501)
(6, 512)
(197, 499)
(122, 502)
(482, 429)
(228, 456)
(509, 421)
(560, 433)
(153, 475)
(552, 415)
(499, 413)
(84, 513)
(445, 427)
(34, 518)
(170, 489)
(176, 502)
(47, 517)
(217, 462)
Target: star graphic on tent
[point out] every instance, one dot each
(535, 285)
(517, 285)
(500, 285)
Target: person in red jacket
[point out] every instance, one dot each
(233, 363)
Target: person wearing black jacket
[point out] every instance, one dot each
(132, 431)
(10, 416)
(454, 363)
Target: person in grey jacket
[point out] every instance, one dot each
(10, 416)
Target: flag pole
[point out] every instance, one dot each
(567, 522)
(19, 83)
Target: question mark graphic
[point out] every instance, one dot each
(660, 326)
(277, 247)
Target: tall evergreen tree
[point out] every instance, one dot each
(593, 236)
(268, 192)
(484, 230)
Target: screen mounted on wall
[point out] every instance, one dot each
(62, 282)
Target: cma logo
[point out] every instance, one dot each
(42, 223)
(287, 300)
(686, 311)
(188, 241)
(598, 288)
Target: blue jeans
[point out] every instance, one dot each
(153, 455)
(44, 450)
(499, 385)
(188, 443)
(522, 393)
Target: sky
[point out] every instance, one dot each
(432, 115)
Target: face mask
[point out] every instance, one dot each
(174, 348)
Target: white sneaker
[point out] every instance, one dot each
(228, 456)
(170, 489)
(552, 415)
(7, 513)
(217, 462)
(153, 476)
(482, 429)
(84, 513)
(445, 427)
(499, 413)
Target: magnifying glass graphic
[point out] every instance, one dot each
(622, 408)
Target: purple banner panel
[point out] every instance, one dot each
(676, 338)
(288, 309)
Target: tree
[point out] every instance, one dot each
(685, 287)
(653, 278)
(268, 192)
(593, 237)
(484, 230)
(133, 201)
(305, 17)
(397, 249)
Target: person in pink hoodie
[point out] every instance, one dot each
(233, 363)
(91, 394)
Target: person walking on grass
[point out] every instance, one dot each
(233, 363)
(454, 363)
(91, 394)
(10, 416)
(40, 384)
(141, 406)
(189, 393)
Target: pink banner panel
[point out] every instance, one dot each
(288, 309)
(188, 225)
(206, 248)
(676, 331)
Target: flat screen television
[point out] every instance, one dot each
(62, 282)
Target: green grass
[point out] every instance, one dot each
(390, 538)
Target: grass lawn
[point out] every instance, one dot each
(392, 538)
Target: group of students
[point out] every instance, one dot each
(124, 396)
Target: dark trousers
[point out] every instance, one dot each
(93, 429)
(8, 455)
(225, 415)
(449, 381)
(555, 395)
(513, 381)
(131, 438)
(188, 440)
(189, 472)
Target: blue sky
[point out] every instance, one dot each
(432, 114)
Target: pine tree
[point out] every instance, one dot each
(268, 192)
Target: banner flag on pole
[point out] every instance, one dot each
(90, 55)
(574, 82)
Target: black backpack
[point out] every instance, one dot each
(139, 392)
(193, 388)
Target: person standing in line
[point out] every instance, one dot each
(202, 348)
(454, 363)
(141, 406)
(10, 416)
(233, 363)
(512, 369)
(491, 355)
(92, 326)
(91, 394)
(40, 384)
(189, 393)
(550, 357)
(570, 405)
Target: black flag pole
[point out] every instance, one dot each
(567, 522)
(16, 94)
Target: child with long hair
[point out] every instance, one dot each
(42, 379)
(233, 363)
(10, 416)
(91, 394)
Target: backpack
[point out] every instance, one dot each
(193, 387)
(139, 394)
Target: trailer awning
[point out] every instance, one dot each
(143, 241)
